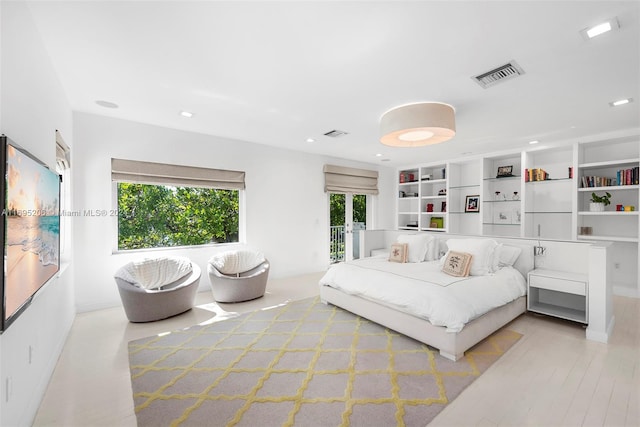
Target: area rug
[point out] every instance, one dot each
(301, 364)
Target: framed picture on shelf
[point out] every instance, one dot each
(472, 204)
(504, 171)
(502, 217)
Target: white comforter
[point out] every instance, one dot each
(421, 289)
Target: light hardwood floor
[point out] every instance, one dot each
(552, 377)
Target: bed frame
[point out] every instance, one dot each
(451, 345)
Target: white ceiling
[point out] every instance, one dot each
(277, 73)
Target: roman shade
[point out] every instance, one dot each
(178, 175)
(339, 179)
(63, 153)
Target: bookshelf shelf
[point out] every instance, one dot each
(608, 238)
(610, 163)
(610, 188)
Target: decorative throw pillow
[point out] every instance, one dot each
(457, 264)
(418, 244)
(154, 273)
(398, 252)
(236, 261)
(482, 251)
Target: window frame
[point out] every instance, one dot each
(115, 229)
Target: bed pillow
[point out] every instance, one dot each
(457, 264)
(433, 250)
(508, 255)
(482, 251)
(418, 244)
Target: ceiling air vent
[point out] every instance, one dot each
(498, 75)
(336, 133)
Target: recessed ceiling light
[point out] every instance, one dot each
(106, 104)
(379, 155)
(601, 28)
(620, 102)
(534, 142)
(311, 140)
(186, 114)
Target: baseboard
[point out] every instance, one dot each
(624, 291)
(602, 337)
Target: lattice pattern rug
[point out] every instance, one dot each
(303, 364)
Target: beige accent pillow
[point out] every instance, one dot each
(398, 252)
(457, 264)
(482, 251)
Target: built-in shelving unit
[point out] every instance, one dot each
(548, 207)
(422, 198)
(502, 202)
(464, 185)
(596, 164)
(554, 207)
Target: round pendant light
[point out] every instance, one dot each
(415, 125)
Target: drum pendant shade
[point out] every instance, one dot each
(416, 125)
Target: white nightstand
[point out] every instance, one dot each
(558, 293)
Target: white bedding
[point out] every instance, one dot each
(422, 290)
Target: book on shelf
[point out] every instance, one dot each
(535, 174)
(628, 176)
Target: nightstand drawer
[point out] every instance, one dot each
(559, 285)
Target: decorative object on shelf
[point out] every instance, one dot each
(407, 177)
(619, 208)
(426, 177)
(442, 192)
(599, 202)
(515, 196)
(498, 196)
(472, 203)
(516, 216)
(418, 124)
(401, 194)
(429, 207)
(570, 172)
(502, 217)
(585, 231)
(629, 208)
(504, 171)
(437, 222)
(412, 194)
(413, 224)
(443, 207)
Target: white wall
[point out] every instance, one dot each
(32, 107)
(286, 207)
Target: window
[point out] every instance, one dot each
(163, 205)
(152, 216)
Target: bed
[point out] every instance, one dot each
(418, 300)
